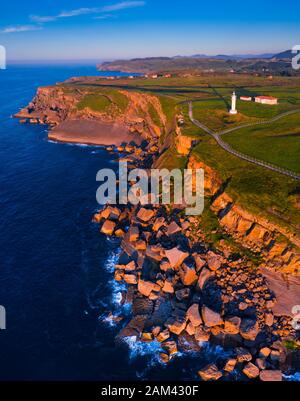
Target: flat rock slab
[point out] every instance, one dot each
(286, 290)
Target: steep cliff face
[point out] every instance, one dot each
(52, 105)
(280, 249)
(144, 110)
(184, 143)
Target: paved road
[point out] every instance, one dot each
(240, 155)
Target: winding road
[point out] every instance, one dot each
(229, 149)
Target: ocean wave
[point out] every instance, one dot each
(112, 260)
(78, 144)
(292, 378)
(139, 348)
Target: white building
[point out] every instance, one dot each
(266, 100)
(246, 98)
(233, 104)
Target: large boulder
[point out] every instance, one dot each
(249, 329)
(230, 365)
(176, 326)
(165, 266)
(264, 352)
(190, 329)
(159, 222)
(188, 275)
(128, 247)
(133, 234)
(146, 287)
(163, 335)
(140, 245)
(214, 260)
(232, 325)
(205, 274)
(168, 287)
(130, 266)
(251, 371)
(243, 355)
(142, 306)
(199, 262)
(145, 214)
(271, 375)
(176, 257)
(108, 227)
(211, 318)
(134, 328)
(182, 294)
(170, 347)
(154, 252)
(193, 315)
(202, 334)
(130, 279)
(119, 233)
(114, 212)
(173, 228)
(210, 372)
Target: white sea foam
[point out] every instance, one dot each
(292, 378)
(111, 319)
(139, 348)
(117, 289)
(112, 260)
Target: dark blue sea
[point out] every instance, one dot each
(56, 270)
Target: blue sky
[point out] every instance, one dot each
(109, 29)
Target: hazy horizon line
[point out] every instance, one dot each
(98, 60)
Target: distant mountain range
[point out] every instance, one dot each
(266, 63)
(285, 55)
(232, 56)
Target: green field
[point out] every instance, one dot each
(257, 189)
(277, 143)
(94, 102)
(214, 112)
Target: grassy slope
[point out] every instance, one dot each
(95, 102)
(97, 98)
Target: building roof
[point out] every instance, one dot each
(266, 97)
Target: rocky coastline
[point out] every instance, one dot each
(183, 292)
(59, 107)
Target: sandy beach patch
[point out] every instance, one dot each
(93, 133)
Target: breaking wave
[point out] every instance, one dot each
(292, 378)
(139, 348)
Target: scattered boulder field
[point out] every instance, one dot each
(185, 294)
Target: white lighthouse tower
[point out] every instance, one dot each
(233, 104)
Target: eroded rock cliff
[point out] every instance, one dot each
(280, 249)
(142, 113)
